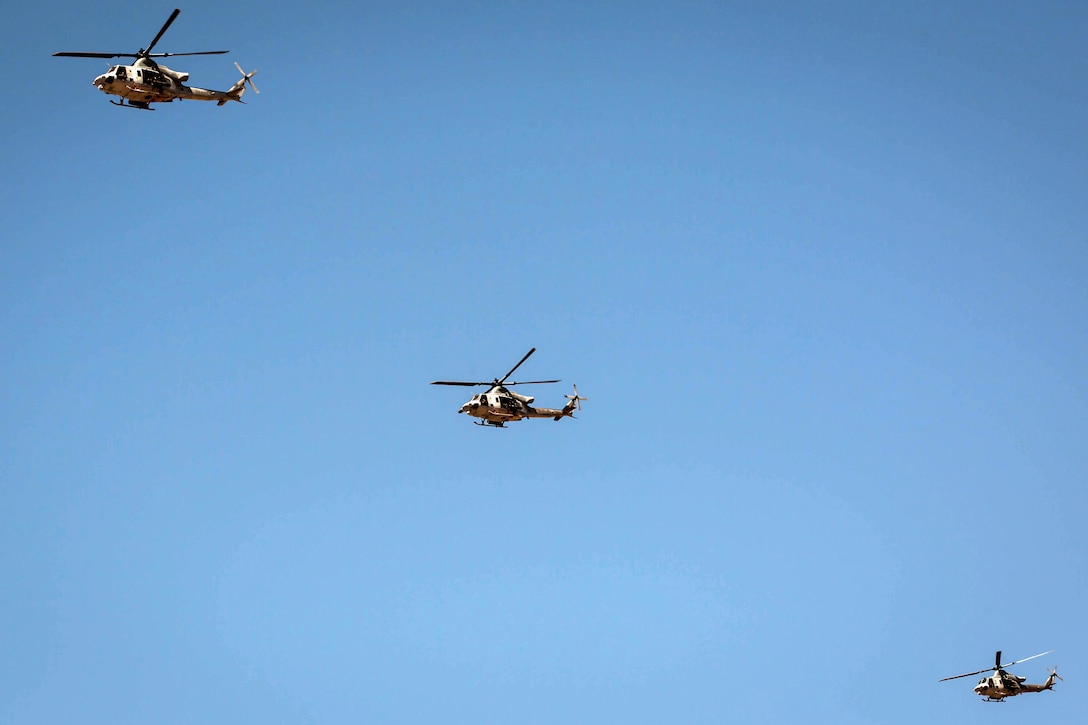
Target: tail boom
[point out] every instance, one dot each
(1048, 685)
(567, 411)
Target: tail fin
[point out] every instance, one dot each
(1049, 684)
(236, 91)
(568, 409)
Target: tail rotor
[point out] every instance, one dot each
(575, 400)
(246, 77)
(1053, 674)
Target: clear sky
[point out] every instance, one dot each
(820, 269)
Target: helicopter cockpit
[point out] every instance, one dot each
(113, 73)
(145, 75)
(109, 76)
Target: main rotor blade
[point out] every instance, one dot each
(532, 382)
(173, 16)
(967, 674)
(202, 52)
(504, 377)
(135, 55)
(96, 55)
(455, 382)
(991, 669)
(1010, 664)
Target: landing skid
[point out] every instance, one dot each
(130, 104)
(489, 424)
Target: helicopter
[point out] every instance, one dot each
(1002, 684)
(500, 405)
(146, 82)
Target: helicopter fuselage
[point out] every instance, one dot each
(153, 83)
(999, 685)
(500, 405)
(1003, 684)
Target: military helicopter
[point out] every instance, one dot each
(1002, 684)
(146, 82)
(500, 405)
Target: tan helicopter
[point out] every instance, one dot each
(500, 405)
(1002, 684)
(146, 82)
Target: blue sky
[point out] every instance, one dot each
(819, 268)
